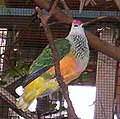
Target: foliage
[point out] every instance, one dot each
(50, 109)
(85, 76)
(17, 67)
(17, 71)
(2, 83)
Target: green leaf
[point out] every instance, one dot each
(2, 83)
(17, 71)
(53, 106)
(85, 76)
(12, 73)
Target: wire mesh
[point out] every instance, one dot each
(105, 76)
(24, 40)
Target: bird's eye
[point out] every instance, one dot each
(75, 25)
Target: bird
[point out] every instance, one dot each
(73, 52)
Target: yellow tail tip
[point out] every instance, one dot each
(21, 104)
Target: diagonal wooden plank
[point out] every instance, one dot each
(11, 100)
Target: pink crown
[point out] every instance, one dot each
(77, 22)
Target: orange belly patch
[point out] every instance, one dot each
(69, 67)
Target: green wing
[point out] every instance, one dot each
(45, 59)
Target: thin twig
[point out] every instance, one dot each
(53, 7)
(93, 3)
(66, 8)
(82, 3)
(101, 18)
(87, 2)
(46, 17)
(64, 87)
(93, 20)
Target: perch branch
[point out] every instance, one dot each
(103, 47)
(94, 41)
(64, 87)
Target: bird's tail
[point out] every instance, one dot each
(21, 104)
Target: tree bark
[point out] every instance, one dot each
(58, 14)
(103, 47)
(94, 41)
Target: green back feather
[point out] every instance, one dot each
(45, 58)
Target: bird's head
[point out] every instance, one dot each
(76, 27)
(76, 23)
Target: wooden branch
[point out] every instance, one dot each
(81, 6)
(117, 3)
(104, 47)
(101, 18)
(64, 87)
(53, 7)
(58, 14)
(66, 9)
(94, 41)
